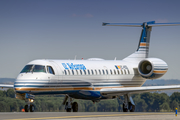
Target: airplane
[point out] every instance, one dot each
(93, 79)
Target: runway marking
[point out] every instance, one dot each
(88, 116)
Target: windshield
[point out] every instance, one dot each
(27, 68)
(39, 68)
(33, 68)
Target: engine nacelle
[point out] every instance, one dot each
(152, 68)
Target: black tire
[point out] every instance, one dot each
(68, 110)
(66, 107)
(26, 108)
(32, 108)
(75, 107)
(133, 108)
(125, 109)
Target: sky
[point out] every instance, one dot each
(63, 29)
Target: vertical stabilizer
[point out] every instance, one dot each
(143, 46)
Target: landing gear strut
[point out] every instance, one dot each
(128, 104)
(69, 105)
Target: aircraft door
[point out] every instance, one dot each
(58, 76)
(53, 75)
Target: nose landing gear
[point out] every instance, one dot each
(29, 107)
(29, 99)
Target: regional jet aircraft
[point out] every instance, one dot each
(93, 79)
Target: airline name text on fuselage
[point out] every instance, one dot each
(71, 66)
(121, 67)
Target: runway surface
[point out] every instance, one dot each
(88, 116)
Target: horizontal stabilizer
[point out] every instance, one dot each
(163, 24)
(123, 24)
(145, 24)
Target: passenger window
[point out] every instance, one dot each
(100, 72)
(115, 72)
(39, 68)
(50, 70)
(107, 72)
(103, 72)
(72, 72)
(92, 72)
(88, 72)
(65, 72)
(128, 72)
(69, 72)
(85, 72)
(96, 72)
(124, 71)
(27, 68)
(81, 72)
(118, 72)
(111, 72)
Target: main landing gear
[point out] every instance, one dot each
(128, 104)
(69, 105)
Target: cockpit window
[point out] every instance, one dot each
(39, 68)
(50, 70)
(27, 68)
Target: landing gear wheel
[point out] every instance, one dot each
(124, 109)
(31, 108)
(68, 110)
(75, 107)
(66, 107)
(133, 108)
(26, 108)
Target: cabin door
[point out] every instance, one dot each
(58, 75)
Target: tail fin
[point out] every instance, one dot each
(143, 47)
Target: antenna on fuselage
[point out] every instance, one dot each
(75, 57)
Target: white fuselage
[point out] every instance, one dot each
(78, 75)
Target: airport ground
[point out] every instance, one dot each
(89, 116)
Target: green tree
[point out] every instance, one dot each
(149, 99)
(159, 99)
(10, 93)
(174, 105)
(164, 107)
(174, 101)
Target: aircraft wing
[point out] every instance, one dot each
(6, 86)
(133, 90)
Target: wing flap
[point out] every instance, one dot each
(133, 90)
